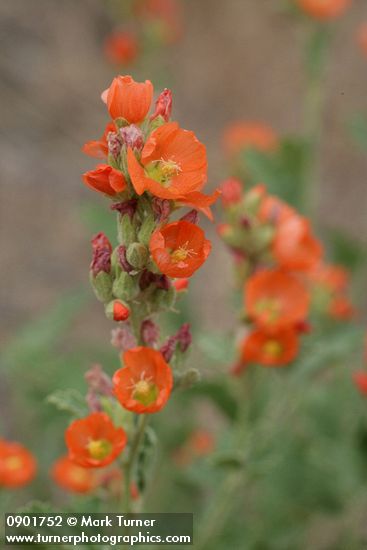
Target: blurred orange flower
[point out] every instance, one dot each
(324, 9)
(231, 191)
(271, 350)
(275, 299)
(294, 246)
(360, 380)
(99, 148)
(121, 47)
(165, 12)
(72, 477)
(342, 308)
(242, 135)
(17, 465)
(179, 249)
(94, 441)
(128, 99)
(105, 179)
(145, 382)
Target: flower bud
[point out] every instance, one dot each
(231, 192)
(184, 337)
(122, 338)
(126, 230)
(149, 332)
(121, 255)
(117, 310)
(126, 207)
(163, 105)
(188, 379)
(132, 137)
(191, 217)
(161, 209)
(137, 255)
(102, 286)
(124, 287)
(101, 260)
(114, 144)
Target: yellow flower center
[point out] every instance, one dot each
(99, 448)
(181, 253)
(163, 171)
(145, 392)
(273, 348)
(13, 463)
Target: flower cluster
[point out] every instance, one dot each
(151, 169)
(280, 260)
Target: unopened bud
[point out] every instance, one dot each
(102, 286)
(191, 217)
(188, 379)
(126, 207)
(146, 229)
(163, 105)
(114, 143)
(124, 286)
(149, 332)
(161, 209)
(132, 137)
(122, 338)
(126, 230)
(231, 192)
(137, 255)
(117, 310)
(184, 337)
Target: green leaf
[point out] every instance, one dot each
(69, 400)
(346, 250)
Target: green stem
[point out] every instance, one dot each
(314, 101)
(129, 465)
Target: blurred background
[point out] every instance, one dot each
(234, 60)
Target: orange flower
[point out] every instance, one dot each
(275, 299)
(94, 441)
(121, 47)
(231, 190)
(128, 99)
(17, 465)
(271, 350)
(294, 246)
(166, 12)
(360, 380)
(341, 308)
(243, 135)
(179, 249)
(99, 149)
(72, 477)
(145, 382)
(333, 277)
(201, 442)
(173, 163)
(105, 179)
(324, 9)
(362, 38)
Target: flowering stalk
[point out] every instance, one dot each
(151, 169)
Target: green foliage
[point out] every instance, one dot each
(70, 400)
(283, 171)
